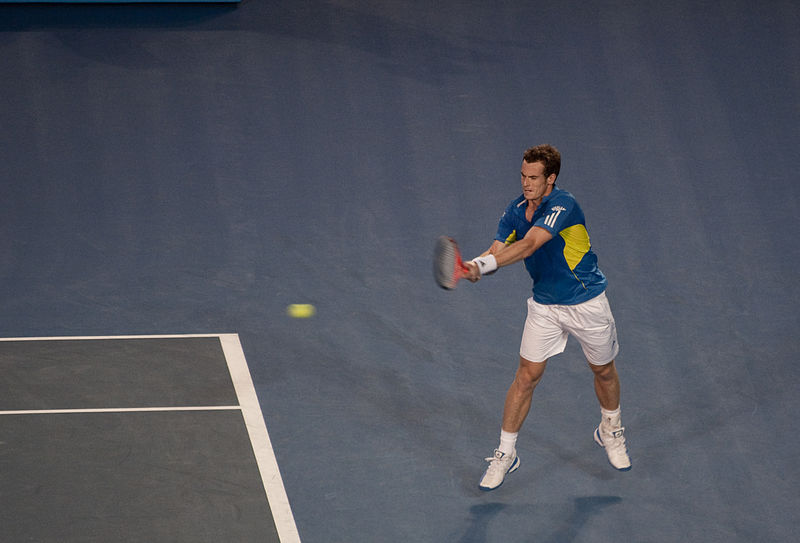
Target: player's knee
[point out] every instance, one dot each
(529, 375)
(607, 372)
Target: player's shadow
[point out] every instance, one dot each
(569, 529)
(480, 517)
(583, 509)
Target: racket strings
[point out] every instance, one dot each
(446, 263)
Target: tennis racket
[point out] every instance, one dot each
(448, 267)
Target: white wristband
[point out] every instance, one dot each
(486, 264)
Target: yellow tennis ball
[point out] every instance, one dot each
(301, 311)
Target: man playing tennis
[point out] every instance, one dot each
(545, 227)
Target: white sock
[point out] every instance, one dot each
(611, 419)
(508, 441)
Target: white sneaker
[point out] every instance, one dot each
(499, 465)
(614, 444)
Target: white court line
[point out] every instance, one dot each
(119, 410)
(251, 412)
(84, 338)
(262, 446)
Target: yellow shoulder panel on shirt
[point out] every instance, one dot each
(512, 237)
(576, 244)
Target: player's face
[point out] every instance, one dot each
(534, 184)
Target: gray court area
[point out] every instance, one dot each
(115, 373)
(191, 169)
(95, 447)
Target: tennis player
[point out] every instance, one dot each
(545, 227)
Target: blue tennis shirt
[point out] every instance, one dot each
(564, 270)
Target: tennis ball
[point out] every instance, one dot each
(301, 311)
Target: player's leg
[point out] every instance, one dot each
(520, 394)
(593, 325)
(542, 338)
(609, 433)
(517, 405)
(606, 385)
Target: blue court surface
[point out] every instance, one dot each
(184, 172)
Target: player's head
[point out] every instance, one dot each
(547, 155)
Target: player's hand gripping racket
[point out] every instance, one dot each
(448, 267)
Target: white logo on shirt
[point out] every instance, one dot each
(555, 211)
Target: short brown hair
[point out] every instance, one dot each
(547, 155)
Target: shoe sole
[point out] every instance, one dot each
(514, 466)
(599, 441)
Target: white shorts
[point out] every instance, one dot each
(592, 324)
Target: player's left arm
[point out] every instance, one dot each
(494, 248)
(523, 248)
(509, 254)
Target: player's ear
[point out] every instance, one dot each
(551, 179)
